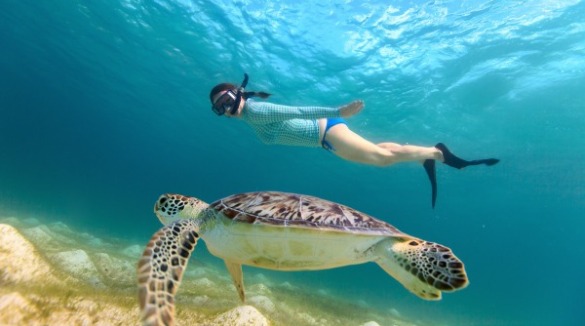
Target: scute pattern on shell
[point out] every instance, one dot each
(288, 209)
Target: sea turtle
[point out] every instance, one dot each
(287, 232)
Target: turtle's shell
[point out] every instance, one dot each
(281, 209)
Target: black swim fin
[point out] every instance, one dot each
(429, 166)
(459, 163)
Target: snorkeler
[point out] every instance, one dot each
(325, 127)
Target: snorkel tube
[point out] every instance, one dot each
(239, 95)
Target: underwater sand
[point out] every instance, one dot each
(51, 274)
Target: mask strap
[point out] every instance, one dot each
(239, 95)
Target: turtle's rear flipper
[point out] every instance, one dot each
(160, 271)
(237, 277)
(429, 166)
(424, 268)
(459, 163)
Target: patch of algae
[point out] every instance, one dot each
(95, 284)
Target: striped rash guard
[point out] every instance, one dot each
(286, 125)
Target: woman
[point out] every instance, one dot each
(313, 126)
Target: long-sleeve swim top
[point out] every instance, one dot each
(286, 125)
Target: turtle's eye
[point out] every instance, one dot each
(162, 200)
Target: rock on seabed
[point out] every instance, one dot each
(241, 316)
(20, 262)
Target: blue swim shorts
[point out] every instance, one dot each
(330, 123)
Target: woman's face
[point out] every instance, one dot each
(223, 102)
(238, 111)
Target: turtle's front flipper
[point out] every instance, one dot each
(424, 268)
(160, 271)
(238, 278)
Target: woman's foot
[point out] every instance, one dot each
(352, 108)
(451, 160)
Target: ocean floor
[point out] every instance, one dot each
(51, 274)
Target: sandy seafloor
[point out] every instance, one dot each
(52, 274)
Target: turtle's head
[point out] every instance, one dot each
(171, 207)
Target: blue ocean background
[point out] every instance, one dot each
(104, 106)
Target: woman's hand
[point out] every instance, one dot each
(351, 109)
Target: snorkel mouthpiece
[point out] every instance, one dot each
(239, 95)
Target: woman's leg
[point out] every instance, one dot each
(353, 147)
(407, 153)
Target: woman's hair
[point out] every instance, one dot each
(227, 86)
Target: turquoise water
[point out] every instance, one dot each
(104, 106)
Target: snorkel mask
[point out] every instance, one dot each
(230, 100)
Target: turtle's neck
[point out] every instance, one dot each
(196, 209)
